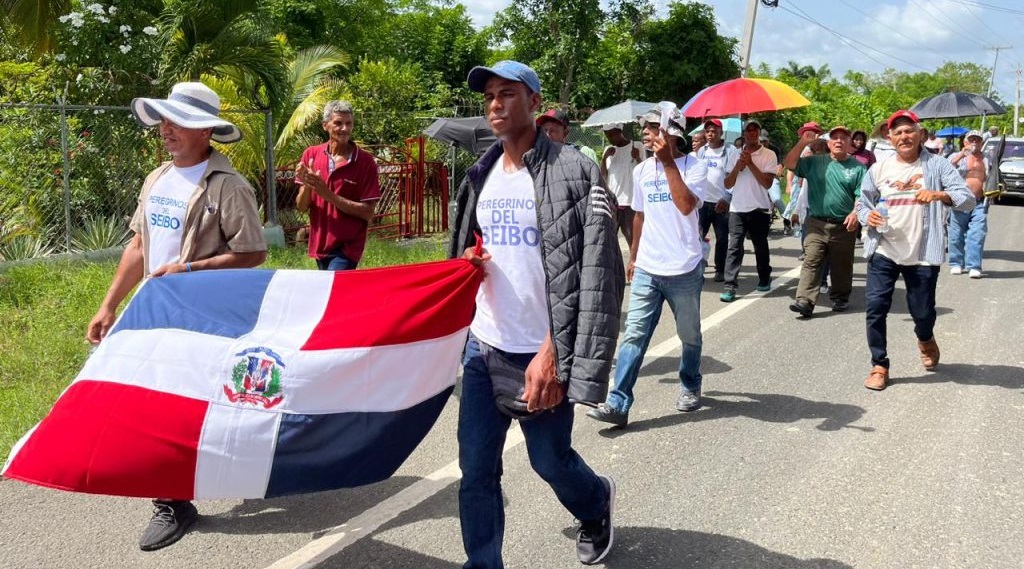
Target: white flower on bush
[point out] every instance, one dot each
(96, 8)
(75, 18)
(112, 10)
(103, 19)
(149, 31)
(60, 57)
(79, 78)
(125, 30)
(125, 48)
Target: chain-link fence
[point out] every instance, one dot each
(70, 176)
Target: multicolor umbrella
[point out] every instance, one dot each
(739, 96)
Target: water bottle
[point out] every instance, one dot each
(883, 211)
(706, 248)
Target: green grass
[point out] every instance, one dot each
(46, 307)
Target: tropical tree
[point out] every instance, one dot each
(295, 121)
(229, 39)
(32, 21)
(555, 37)
(684, 53)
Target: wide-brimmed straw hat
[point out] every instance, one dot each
(190, 105)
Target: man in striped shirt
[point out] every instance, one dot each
(919, 188)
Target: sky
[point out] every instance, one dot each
(928, 33)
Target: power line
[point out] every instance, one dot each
(992, 7)
(962, 31)
(850, 41)
(870, 17)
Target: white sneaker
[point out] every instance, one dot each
(954, 270)
(975, 274)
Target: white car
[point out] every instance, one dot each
(1011, 167)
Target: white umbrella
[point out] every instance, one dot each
(624, 112)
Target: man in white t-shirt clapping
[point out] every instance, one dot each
(750, 211)
(666, 263)
(617, 163)
(720, 159)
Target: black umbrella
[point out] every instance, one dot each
(472, 134)
(956, 104)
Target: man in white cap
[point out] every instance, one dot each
(832, 189)
(617, 163)
(665, 265)
(195, 213)
(967, 229)
(750, 210)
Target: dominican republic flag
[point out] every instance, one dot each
(258, 383)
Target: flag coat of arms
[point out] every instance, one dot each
(257, 383)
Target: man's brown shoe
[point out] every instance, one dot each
(929, 354)
(877, 379)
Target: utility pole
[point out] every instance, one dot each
(748, 36)
(1016, 103)
(992, 76)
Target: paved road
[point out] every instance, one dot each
(792, 463)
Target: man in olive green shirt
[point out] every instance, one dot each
(833, 187)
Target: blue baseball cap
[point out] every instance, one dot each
(511, 70)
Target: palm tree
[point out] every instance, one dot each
(231, 39)
(308, 88)
(34, 21)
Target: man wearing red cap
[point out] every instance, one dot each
(555, 124)
(721, 159)
(832, 186)
(909, 241)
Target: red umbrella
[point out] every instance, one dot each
(740, 96)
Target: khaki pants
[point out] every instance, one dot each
(826, 240)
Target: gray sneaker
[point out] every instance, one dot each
(171, 519)
(688, 401)
(608, 414)
(594, 538)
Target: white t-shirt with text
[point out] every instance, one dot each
(511, 305)
(165, 212)
(670, 243)
(720, 162)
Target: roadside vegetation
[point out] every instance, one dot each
(45, 308)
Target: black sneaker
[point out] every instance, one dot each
(171, 519)
(688, 401)
(840, 305)
(594, 538)
(608, 414)
(802, 308)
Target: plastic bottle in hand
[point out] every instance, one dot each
(883, 210)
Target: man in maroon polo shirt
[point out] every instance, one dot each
(339, 188)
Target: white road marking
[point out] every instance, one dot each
(340, 537)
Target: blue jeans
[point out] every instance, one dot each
(647, 294)
(879, 286)
(335, 263)
(968, 228)
(482, 430)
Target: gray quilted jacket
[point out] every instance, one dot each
(581, 258)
